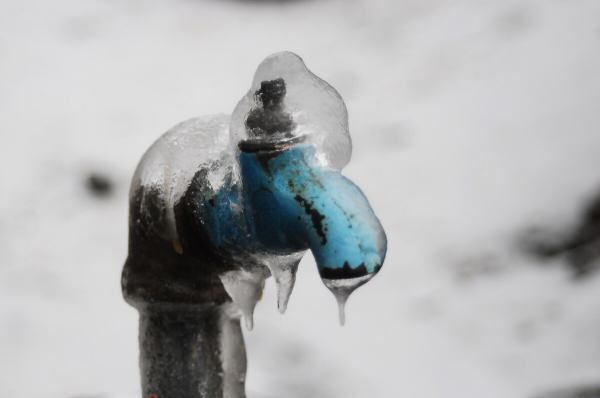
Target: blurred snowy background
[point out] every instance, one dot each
(477, 140)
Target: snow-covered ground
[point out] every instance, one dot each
(473, 120)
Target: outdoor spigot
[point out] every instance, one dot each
(219, 203)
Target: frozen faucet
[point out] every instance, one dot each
(219, 203)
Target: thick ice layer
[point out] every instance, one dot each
(171, 162)
(315, 109)
(289, 117)
(342, 289)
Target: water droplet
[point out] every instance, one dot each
(342, 289)
(245, 289)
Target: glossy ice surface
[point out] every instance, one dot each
(254, 193)
(315, 107)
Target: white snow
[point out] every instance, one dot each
(471, 121)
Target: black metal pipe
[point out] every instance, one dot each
(191, 353)
(191, 343)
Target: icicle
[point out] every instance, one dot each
(285, 278)
(342, 289)
(245, 289)
(341, 301)
(283, 271)
(249, 320)
(285, 284)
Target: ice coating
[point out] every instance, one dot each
(316, 110)
(245, 289)
(254, 191)
(218, 203)
(171, 162)
(342, 289)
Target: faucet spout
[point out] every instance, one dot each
(295, 202)
(351, 242)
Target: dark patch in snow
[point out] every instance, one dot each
(99, 185)
(575, 392)
(580, 247)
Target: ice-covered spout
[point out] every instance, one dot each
(297, 203)
(291, 131)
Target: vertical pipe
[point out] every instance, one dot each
(191, 343)
(191, 353)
